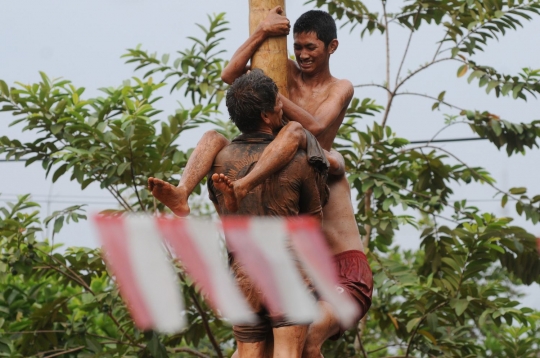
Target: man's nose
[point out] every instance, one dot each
(303, 54)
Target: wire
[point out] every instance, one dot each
(446, 140)
(67, 201)
(411, 142)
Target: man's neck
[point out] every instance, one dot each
(318, 78)
(264, 130)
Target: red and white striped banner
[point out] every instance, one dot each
(146, 280)
(135, 253)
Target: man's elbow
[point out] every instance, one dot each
(315, 129)
(336, 169)
(226, 77)
(337, 163)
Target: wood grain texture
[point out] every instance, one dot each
(271, 57)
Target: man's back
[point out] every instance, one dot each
(296, 189)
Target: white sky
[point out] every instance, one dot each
(83, 41)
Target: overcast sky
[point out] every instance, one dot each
(83, 40)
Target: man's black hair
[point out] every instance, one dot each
(317, 21)
(249, 96)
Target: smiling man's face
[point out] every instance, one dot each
(311, 54)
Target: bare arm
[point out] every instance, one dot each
(275, 24)
(326, 113)
(337, 163)
(312, 191)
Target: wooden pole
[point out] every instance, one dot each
(271, 57)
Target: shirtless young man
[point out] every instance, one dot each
(318, 102)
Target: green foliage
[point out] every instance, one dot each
(453, 297)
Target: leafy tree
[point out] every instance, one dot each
(453, 297)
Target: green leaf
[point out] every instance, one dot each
(56, 128)
(517, 90)
(518, 191)
(93, 345)
(412, 323)
(58, 224)
(122, 167)
(461, 306)
(165, 58)
(4, 88)
(59, 172)
(462, 70)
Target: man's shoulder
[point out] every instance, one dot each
(342, 86)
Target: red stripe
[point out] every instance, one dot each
(246, 251)
(311, 244)
(178, 236)
(115, 242)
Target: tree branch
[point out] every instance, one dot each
(65, 352)
(409, 345)
(439, 48)
(429, 97)
(204, 319)
(373, 85)
(190, 351)
(364, 354)
(421, 68)
(407, 47)
(133, 177)
(387, 38)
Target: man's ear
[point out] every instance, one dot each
(265, 118)
(333, 45)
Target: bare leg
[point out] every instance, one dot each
(249, 350)
(225, 186)
(274, 158)
(199, 164)
(320, 331)
(289, 341)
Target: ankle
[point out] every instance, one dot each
(240, 188)
(182, 190)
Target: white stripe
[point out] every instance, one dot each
(155, 274)
(270, 235)
(345, 309)
(231, 303)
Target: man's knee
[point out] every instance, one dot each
(213, 136)
(311, 351)
(294, 130)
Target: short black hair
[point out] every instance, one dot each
(249, 96)
(317, 21)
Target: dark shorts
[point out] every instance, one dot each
(354, 276)
(262, 330)
(356, 279)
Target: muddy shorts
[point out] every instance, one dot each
(262, 330)
(267, 321)
(356, 279)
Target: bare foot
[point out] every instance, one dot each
(224, 185)
(240, 191)
(175, 198)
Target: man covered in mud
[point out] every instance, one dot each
(256, 109)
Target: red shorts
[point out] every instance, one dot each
(355, 278)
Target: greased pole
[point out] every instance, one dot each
(271, 57)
